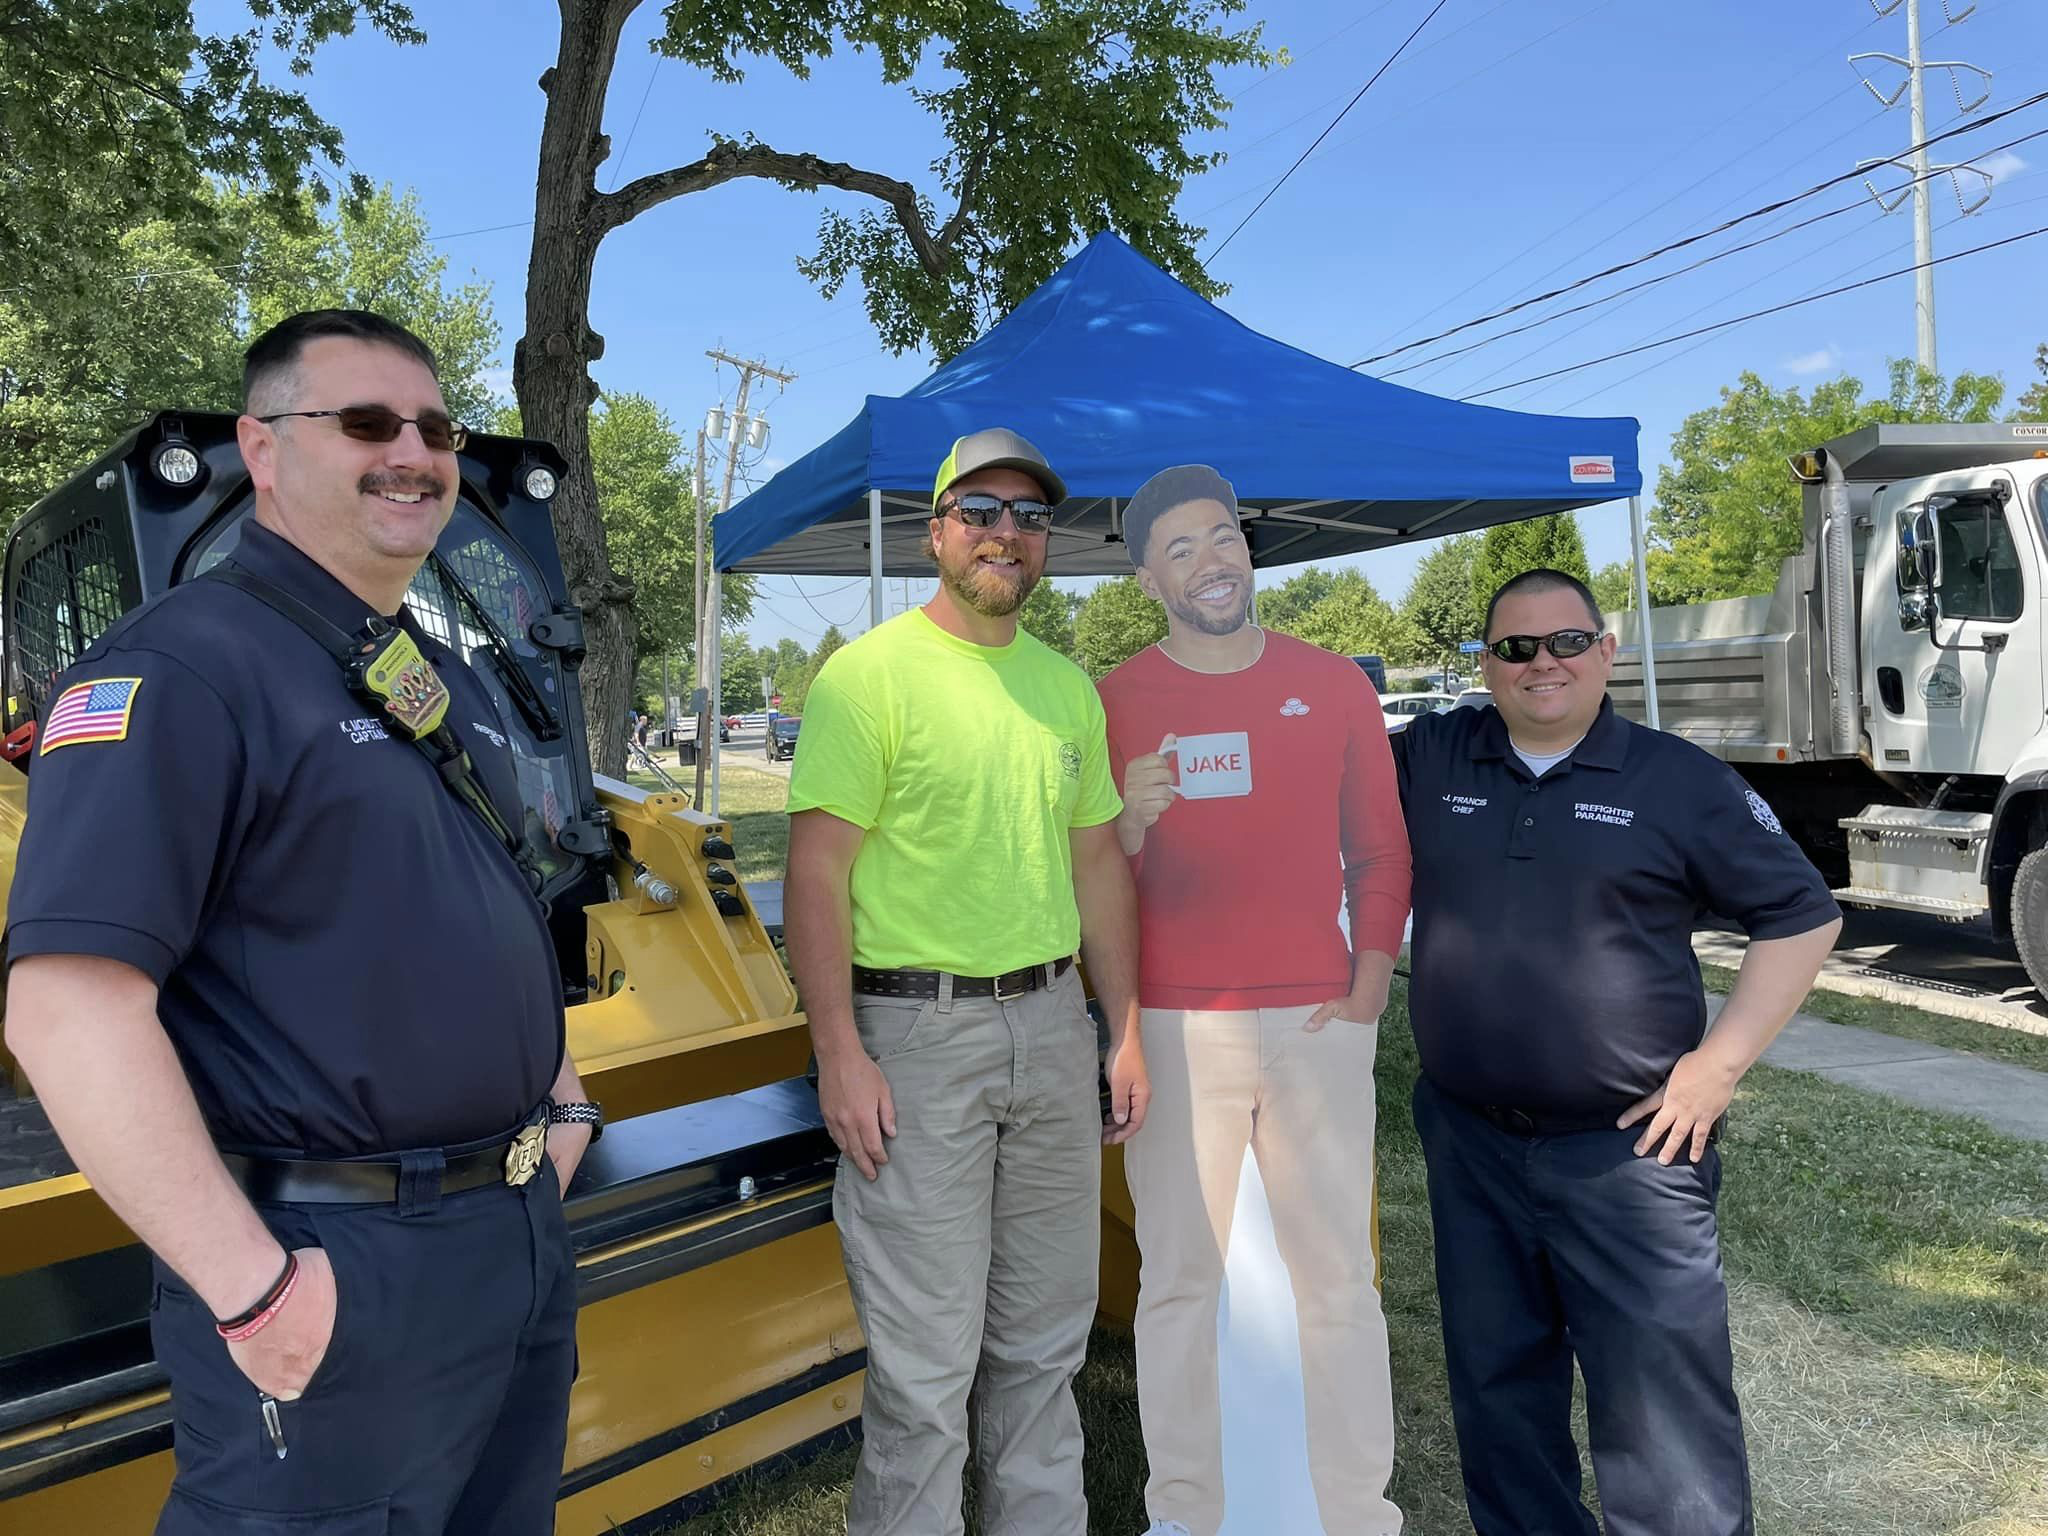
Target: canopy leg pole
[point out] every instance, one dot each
(708, 742)
(874, 558)
(1637, 545)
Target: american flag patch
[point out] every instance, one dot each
(96, 711)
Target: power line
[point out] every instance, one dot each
(1664, 277)
(619, 165)
(1775, 309)
(1332, 128)
(1508, 366)
(1774, 137)
(1707, 234)
(1665, 362)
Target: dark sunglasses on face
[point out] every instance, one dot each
(977, 511)
(381, 424)
(1560, 643)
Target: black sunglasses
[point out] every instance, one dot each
(979, 511)
(1560, 643)
(381, 424)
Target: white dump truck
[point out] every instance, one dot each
(1889, 700)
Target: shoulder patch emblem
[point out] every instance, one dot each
(1070, 760)
(1294, 707)
(94, 711)
(1765, 816)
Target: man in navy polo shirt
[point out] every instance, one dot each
(292, 1005)
(1571, 1092)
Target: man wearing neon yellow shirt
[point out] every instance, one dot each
(952, 842)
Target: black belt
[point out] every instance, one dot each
(925, 984)
(512, 1159)
(1518, 1122)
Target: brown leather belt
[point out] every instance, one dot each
(512, 1159)
(925, 984)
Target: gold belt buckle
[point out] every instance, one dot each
(522, 1158)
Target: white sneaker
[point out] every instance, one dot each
(1167, 1528)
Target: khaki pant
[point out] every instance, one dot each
(973, 1262)
(1304, 1104)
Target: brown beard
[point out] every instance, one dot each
(987, 594)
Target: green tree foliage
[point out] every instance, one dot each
(83, 377)
(793, 682)
(1439, 602)
(2033, 404)
(739, 678)
(1115, 622)
(1048, 613)
(1508, 549)
(1350, 618)
(1614, 587)
(1054, 121)
(114, 113)
(1282, 607)
(1727, 510)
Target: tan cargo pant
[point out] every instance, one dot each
(1304, 1104)
(973, 1262)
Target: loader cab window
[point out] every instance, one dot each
(64, 597)
(1980, 563)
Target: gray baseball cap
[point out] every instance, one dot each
(998, 448)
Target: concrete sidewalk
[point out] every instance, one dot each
(2010, 1099)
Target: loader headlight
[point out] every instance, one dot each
(176, 463)
(540, 483)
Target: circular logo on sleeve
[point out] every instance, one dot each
(1765, 816)
(1070, 759)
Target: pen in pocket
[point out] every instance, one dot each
(273, 1426)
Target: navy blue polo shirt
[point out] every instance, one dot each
(1551, 967)
(349, 961)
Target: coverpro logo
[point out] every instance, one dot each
(1592, 469)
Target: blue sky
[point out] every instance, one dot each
(1516, 144)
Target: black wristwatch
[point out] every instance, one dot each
(591, 1115)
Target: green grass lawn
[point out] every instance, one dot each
(1889, 1275)
(2016, 1046)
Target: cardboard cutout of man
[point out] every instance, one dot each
(1259, 799)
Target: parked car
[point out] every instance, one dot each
(1400, 709)
(781, 742)
(1474, 698)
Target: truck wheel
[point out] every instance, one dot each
(2030, 917)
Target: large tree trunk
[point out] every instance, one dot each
(551, 363)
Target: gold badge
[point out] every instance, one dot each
(413, 694)
(522, 1158)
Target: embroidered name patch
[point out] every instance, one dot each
(1613, 815)
(1465, 805)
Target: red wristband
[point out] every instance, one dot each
(248, 1326)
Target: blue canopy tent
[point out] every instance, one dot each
(1116, 370)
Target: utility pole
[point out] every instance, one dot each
(1916, 165)
(756, 432)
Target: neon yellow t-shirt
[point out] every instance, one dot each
(967, 766)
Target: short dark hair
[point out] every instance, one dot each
(1171, 488)
(1544, 579)
(276, 352)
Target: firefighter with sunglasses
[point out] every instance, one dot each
(283, 987)
(1572, 1091)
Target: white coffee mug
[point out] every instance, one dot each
(1213, 766)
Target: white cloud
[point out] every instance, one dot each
(2002, 166)
(1807, 363)
(498, 381)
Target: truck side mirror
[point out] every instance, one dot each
(1927, 547)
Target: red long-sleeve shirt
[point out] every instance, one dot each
(1290, 815)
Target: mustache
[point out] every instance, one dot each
(384, 480)
(996, 547)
